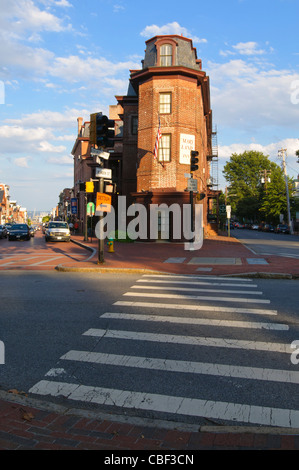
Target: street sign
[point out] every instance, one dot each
(103, 203)
(228, 211)
(99, 153)
(90, 209)
(103, 173)
(74, 205)
(192, 184)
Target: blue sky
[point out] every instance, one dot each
(61, 59)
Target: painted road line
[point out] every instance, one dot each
(47, 260)
(208, 308)
(197, 321)
(190, 367)
(191, 340)
(187, 277)
(198, 283)
(192, 289)
(19, 260)
(127, 399)
(197, 297)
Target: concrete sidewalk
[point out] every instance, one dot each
(27, 423)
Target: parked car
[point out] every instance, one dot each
(7, 228)
(239, 225)
(282, 228)
(254, 227)
(19, 232)
(2, 231)
(268, 228)
(57, 231)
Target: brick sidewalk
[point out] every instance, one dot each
(36, 426)
(218, 256)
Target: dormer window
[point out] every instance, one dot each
(166, 55)
(166, 51)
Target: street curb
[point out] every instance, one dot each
(22, 399)
(62, 268)
(254, 275)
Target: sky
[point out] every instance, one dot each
(64, 59)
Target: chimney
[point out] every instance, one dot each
(80, 121)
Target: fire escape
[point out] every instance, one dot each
(212, 183)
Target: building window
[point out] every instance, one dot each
(134, 125)
(165, 148)
(166, 55)
(165, 103)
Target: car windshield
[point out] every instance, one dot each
(19, 227)
(58, 225)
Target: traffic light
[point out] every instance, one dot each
(101, 130)
(194, 160)
(89, 187)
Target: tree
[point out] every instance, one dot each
(274, 201)
(297, 154)
(246, 191)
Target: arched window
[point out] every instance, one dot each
(166, 55)
(166, 51)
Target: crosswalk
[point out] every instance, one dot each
(185, 348)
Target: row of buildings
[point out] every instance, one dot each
(167, 102)
(10, 211)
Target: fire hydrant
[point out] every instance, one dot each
(110, 245)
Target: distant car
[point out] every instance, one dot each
(31, 231)
(7, 228)
(282, 228)
(254, 227)
(57, 231)
(239, 225)
(2, 231)
(19, 232)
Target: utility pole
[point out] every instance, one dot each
(281, 153)
(265, 177)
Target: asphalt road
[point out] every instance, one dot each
(79, 338)
(265, 243)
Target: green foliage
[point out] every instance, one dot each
(251, 199)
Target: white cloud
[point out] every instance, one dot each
(22, 162)
(25, 16)
(247, 96)
(64, 160)
(169, 28)
(248, 48)
(45, 146)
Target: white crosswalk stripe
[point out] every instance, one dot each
(139, 325)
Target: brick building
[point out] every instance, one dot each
(170, 91)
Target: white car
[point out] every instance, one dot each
(57, 231)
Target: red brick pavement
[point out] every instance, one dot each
(35, 427)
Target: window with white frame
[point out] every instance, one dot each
(165, 103)
(165, 148)
(166, 55)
